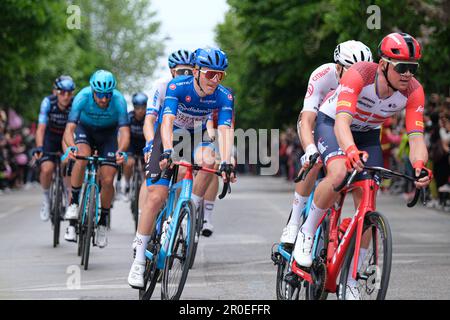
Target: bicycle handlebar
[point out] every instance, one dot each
(385, 173)
(303, 173)
(226, 185)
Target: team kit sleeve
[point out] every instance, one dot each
(315, 91)
(155, 101)
(225, 115)
(414, 112)
(349, 89)
(123, 114)
(44, 110)
(171, 100)
(77, 106)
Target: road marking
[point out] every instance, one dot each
(10, 212)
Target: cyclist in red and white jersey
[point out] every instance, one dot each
(348, 125)
(323, 80)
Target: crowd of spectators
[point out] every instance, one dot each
(394, 142)
(16, 142)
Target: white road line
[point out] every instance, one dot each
(10, 212)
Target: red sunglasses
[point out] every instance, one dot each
(210, 74)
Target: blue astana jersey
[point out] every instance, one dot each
(88, 113)
(191, 110)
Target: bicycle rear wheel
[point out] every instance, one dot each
(137, 181)
(176, 265)
(89, 223)
(374, 268)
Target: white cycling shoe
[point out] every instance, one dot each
(101, 239)
(352, 291)
(71, 212)
(70, 234)
(303, 248)
(136, 275)
(45, 210)
(289, 234)
(207, 229)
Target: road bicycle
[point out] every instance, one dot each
(170, 249)
(341, 250)
(88, 211)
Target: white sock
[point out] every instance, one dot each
(208, 207)
(314, 216)
(197, 201)
(297, 208)
(362, 256)
(141, 245)
(47, 194)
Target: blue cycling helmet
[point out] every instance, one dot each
(64, 83)
(181, 57)
(213, 58)
(103, 81)
(139, 99)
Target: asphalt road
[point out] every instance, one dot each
(232, 264)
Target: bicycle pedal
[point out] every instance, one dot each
(292, 279)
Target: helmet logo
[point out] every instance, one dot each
(393, 37)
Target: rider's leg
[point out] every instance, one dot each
(45, 176)
(128, 171)
(324, 197)
(205, 157)
(76, 180)
(106, 174)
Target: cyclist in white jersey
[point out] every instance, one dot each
(322, 81)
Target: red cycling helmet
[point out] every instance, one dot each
(400, 46)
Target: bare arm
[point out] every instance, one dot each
(40, 132)
(167, 131)
(149, 127)
(124, 138)
(68, 134)
(342, 131)
(306, 128)
(226, 141)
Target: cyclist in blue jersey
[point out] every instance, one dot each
(181, 62)
(49, 135)
(98, 117)
(137, 139)
(187, 106)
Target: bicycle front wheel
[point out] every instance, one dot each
(57, 209)
(374, 263)
(199, 215)
(89, 223)
(176, 265)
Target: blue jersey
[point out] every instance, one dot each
(88, 113)
(52, 116)
(191, 110)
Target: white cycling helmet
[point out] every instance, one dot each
(350, 52)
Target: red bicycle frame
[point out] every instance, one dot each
(336, 249)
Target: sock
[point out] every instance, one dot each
(197, 201)
(297, 207)
(314, 216)
(141, 245)
(104, 213)
(362, 256)
(75, 195)
(209, 207)
(47, 194)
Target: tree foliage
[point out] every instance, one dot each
(36, 46)
(274, 45)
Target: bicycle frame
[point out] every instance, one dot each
(185, 185)
(336, 250)
(90, 181)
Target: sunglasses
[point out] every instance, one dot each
(210, 74)
(102, 95)
(403, 67)
(140, 106)
(183, 71)
(64, 92)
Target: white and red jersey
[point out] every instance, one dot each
(356, 95)
(321, 82)
(157, 96)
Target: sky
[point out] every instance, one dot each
(189, 24)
